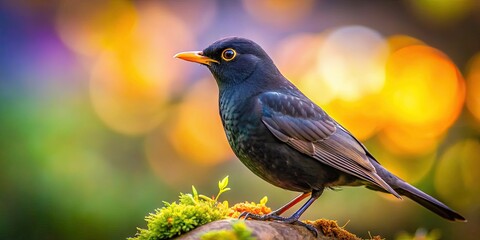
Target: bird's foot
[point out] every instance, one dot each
(265, 217)
(275, 217)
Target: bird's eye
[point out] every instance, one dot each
(228, 54)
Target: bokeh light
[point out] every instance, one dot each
(473, 86)
(412, 169)
(397, 42)
(170, 166)
(88, 29)
(363, 117)
(188, 11)
(297, 58)
(352, 62)
(297, 53)
(197, 133)
(441, 12)
(132, 82)
(457, 174)
(423, 96)
(279, 13)
(126, 102)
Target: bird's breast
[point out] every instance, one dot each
(240, 122)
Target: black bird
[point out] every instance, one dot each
(285, 138)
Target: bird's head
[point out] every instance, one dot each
(232, 60)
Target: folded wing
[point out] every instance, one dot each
(308, 129)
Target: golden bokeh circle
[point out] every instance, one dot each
(197, 133)
(423, 96)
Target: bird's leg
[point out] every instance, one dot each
(292, 203)
(277, 212)
(295, 216)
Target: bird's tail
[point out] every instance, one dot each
(427, 201)
(407, 190)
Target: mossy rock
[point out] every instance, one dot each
(267, 230)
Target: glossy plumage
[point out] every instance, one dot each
(286, 139)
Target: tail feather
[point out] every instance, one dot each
(405, 189)
(427, 201)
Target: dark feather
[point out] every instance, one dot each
(308, 129)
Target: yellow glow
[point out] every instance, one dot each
(417, 77)
(411, 140)
(126, 102)
(363, 117)
(473, 86)
(423, 96)
(153, 49)
(197, 133)
(314, 87)
(89, 28)
(131, 82)
(397, 42)
(279, 13)
(457, 175)
(352, 61)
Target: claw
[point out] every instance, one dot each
(266, 217)
(245, 215)
(273, 216)
(248, 215)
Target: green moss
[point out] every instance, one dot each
(239, 231)
(191, 211)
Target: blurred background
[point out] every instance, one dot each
(99, 124)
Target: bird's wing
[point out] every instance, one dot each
(308, 129)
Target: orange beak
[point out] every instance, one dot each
(195, 56)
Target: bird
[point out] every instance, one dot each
(286, 139)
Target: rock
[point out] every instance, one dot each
(270, 230)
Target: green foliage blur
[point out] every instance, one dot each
(99, 124)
